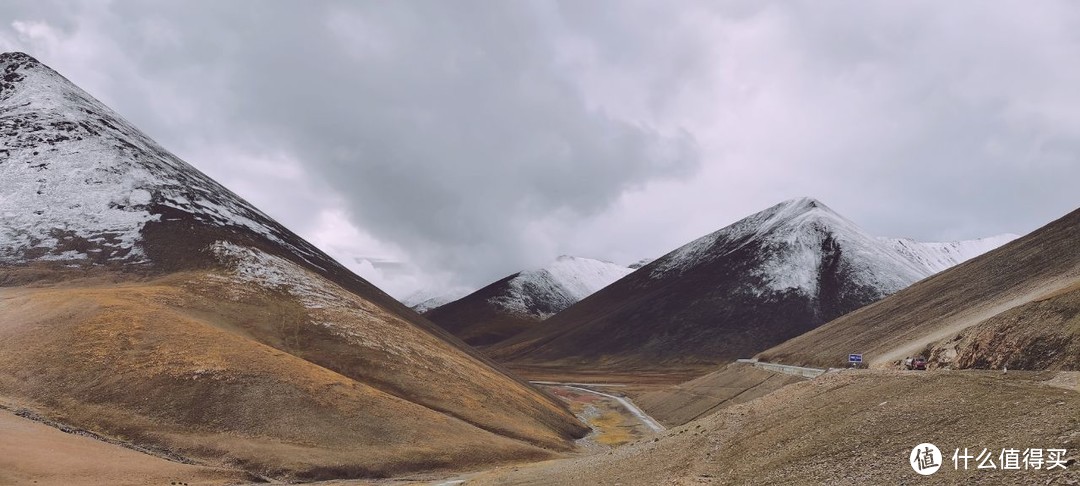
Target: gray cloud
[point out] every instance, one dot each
(477, 138)
(446, 127)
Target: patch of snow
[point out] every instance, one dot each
(326, 303)
(272, 272)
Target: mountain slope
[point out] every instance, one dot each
(143, 300)
(521, 300)
(35, 453)
(769, 277)
(1014, 306)
(850, 427)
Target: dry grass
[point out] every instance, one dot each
(852, 427)
(733, 384)
(34, 453)
(612, 425)
(239, 376)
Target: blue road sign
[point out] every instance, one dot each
(854, 358)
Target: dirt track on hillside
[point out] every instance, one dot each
(850, 427)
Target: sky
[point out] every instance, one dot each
(441, 145)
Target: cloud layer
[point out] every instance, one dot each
(468, 140)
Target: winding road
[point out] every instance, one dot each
(625, 402)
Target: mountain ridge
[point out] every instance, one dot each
(1015, 306)
(763, 279)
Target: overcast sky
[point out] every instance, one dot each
(449, 143)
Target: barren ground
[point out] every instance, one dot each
(35, 453)
(733, 384)
(848, 427)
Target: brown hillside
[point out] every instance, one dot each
(478, 322)
(848, 427)
(733, 384)
(233, 374)
(145, 301)
(1044, 334)
(35, 453)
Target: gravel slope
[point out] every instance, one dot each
(844, 428)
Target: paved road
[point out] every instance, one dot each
(625, 402)
(556, 383)
(787, 369)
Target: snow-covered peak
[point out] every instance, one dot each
(560, 284)
(581, 277)
(784, 222)
(938, 256)
(427, 299)
(795, 239)
(79, 183)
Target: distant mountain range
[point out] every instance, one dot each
(519, 301)
(756, 283)
(1017, 307)
(426, 299)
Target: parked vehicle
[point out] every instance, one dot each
(918, 363)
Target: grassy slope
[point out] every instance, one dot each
(733, 384)
(31, 452)
(231, 379)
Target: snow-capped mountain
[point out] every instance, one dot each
(195, 293)
(543, 292)
(83, 184)
(764, 279)
(1015, 307)
(424, 300)
(518, 301)
(799, 239)
(938, 256)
